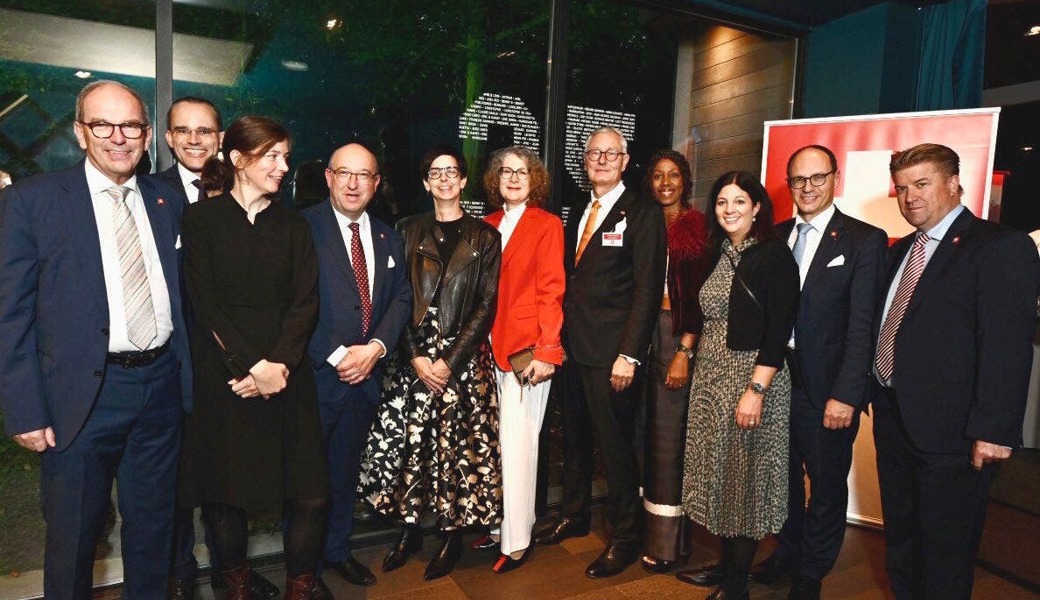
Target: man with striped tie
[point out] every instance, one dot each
(951, 371)
(94, 364)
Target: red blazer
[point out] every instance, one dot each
(530, 289)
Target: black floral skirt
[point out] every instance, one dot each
(436, 453)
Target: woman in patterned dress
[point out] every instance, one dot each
(434, 446)
(735, 481)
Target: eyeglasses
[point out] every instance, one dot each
(817, 179)
(103, 130)
(344, 175)
(611, 155)
(449, 172)
(507, 173)
(199, 131)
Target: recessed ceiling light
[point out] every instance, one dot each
(332, 24)
(1034, 30)
(83, 74)
(295, 65)
(1027, 148)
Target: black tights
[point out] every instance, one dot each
(737, 555)
(304, 535)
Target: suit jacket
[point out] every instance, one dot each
(614, 294)
(339, 312)
(172, 178)
(53, 305)
(530, 289)
(835, 322)
(963, 353)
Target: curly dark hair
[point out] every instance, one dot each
(538, 176)
(684, 169)
(762, 227)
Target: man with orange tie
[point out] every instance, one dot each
(951, 372)
(614, 256)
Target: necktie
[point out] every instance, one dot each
(911, 275)
(586, 234)
(137, 296)
(357, 260)
(202, 192)
(799, 243)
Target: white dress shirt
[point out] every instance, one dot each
(817, 227)
(365, 230)
(605, 204)
(104, 215)
(188, 180)
(510, 217)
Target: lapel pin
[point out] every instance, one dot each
(956, 240)
(160, 202)
(834, 234)
(622, 213)
(382, 236)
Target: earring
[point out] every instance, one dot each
(753, 217)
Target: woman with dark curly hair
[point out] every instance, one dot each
(668, 181)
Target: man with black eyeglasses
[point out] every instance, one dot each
(95, 370)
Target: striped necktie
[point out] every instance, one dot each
(137, 295)
(886, 349)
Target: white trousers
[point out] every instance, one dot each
(520, 414)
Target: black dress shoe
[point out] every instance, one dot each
(352, 571)
(563, 528)
(320, 591)
(506, 563)
(485, 542)
(722, 594)
(615, 559)
(652, 564)
(709, 576)
(772, 569)
(182, 589)
(805, 588)
(409, 544)
(444, 561)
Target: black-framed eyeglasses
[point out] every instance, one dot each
(611, 155)
(345, 174)
(199, 131)
(103, 130)
(507, 173)
(449, 172)
(817, 179)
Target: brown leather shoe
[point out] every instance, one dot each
(298, 588)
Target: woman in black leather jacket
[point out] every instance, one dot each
(434, 447)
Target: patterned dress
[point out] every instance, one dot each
(438, 454)
(735, 480)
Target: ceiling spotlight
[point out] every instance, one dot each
(295, 65)
(1027, 148)
(333, 24)
(83, 74)
(1034, 30)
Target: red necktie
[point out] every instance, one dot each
(357, 260)
(911, 275)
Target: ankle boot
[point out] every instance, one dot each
(739, 556)
(237, 584)
(298, 588)
(444, 561)
(410, 543)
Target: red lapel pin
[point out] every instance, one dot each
(956, 240)
(381, 236)
(834, 234)
(160, 202)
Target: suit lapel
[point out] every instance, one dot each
(335, 246)
(942, 255)
(164, 234)
(617, 212)
(517, 238)
(83, 232)
(831, 242)
(381, 254)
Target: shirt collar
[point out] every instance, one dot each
(820, 221)
(99, 182)
(606, 201)
(513, 214)
(187, 177)
(345, 221)
(940, 229)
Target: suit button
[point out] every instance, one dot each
(98, 374)
(104, 331)
(573, 277)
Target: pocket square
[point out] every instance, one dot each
(621, 225)
(390, 263)
(837, 262)
(177, 244)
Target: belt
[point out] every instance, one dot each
(142, 358)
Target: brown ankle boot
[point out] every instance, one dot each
(298, 588)
(237, 582)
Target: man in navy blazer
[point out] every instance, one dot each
(94, 365)
(841, 262)
(951, 372)
(365, 302)
(194, 131)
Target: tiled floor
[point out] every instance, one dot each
(557, 573)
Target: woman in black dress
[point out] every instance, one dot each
(434, 446)
(253, 442)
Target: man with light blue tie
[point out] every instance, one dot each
(365, 302)
(94, 368)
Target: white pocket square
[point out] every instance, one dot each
(390, 263)
(837, 262)
(177, 244)
(621, 225)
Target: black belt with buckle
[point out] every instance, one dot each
(142, 358)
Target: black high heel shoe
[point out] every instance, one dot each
(444, 561)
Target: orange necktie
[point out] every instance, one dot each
(586, 235)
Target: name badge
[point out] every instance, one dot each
(613, 238)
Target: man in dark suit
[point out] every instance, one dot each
(614, 255)
(94, 367)
(951, 372)
(366, 301)
(841, 262)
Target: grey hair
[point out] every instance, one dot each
(608, 129)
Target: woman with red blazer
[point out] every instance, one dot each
(527, 324)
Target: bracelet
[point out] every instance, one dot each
(687, 351)
(758, 388)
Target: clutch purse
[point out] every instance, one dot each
(519, 361)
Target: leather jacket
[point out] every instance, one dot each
(468, 284)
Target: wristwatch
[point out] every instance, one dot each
(687, 351)
(758, 388)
